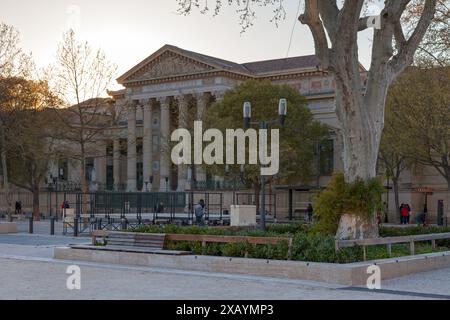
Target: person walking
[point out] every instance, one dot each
(310, 212)
(421, 218)
(409, 213)
(404, 213)
(18, 207)
(199, 210)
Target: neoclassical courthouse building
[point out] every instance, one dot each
(173, 82)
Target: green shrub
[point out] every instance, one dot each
(277, 251)
(237, 250)
(321, 248)
(412, 231)
(361, 198)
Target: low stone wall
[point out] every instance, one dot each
(8, 227)
(342, 274)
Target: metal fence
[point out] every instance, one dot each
(250, 199)
(84, 212)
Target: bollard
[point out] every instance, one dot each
(52, 226)
(75, 227)
(124, 224)
(30, 225)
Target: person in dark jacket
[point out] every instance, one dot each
(199, 210)
(310, 212)
(18, 207)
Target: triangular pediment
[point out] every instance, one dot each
(165, 63)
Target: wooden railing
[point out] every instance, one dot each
(389, 241)
(204, 239)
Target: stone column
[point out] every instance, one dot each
(147, 143)
(218, 97)
(202, 104)
(131, 148)
(100, 165)
(165, 147)
(116, 163)
(183, 114)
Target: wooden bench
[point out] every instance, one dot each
(130, 242)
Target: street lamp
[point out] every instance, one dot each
(264, 124)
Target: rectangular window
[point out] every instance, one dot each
(155, 143)
(89, 169)
(155, 123)
(63, 170)
(139, 146)
(327, 158)
(109, 149)
(123, 147)
(140, 175)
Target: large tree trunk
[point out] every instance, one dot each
(396, 196)
(6, 184)
(36, 204)
(448, 199)
(361, 115)
(83, 182)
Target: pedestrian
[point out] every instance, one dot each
(379, 218)
(159, 208)
(409, 213)
(424, 217)
(310, 211)
(400, 210)
(404, 214)
(18, 208)
(199, 210)
(65, 205)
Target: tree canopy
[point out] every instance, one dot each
(298, 138)
(419, 104)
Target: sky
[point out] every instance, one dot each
(129, 31)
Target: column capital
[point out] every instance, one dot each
(132, 106)
(147, 104)
(203, 97)
(183, 98)
(218, 95)
(164, 102)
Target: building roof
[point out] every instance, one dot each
(225, 64)
(250, 69)
(276, 65)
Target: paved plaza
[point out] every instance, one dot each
(30, 272)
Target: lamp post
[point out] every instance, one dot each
(264, 124)
(55, 187)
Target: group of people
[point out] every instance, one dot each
(405, 215)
